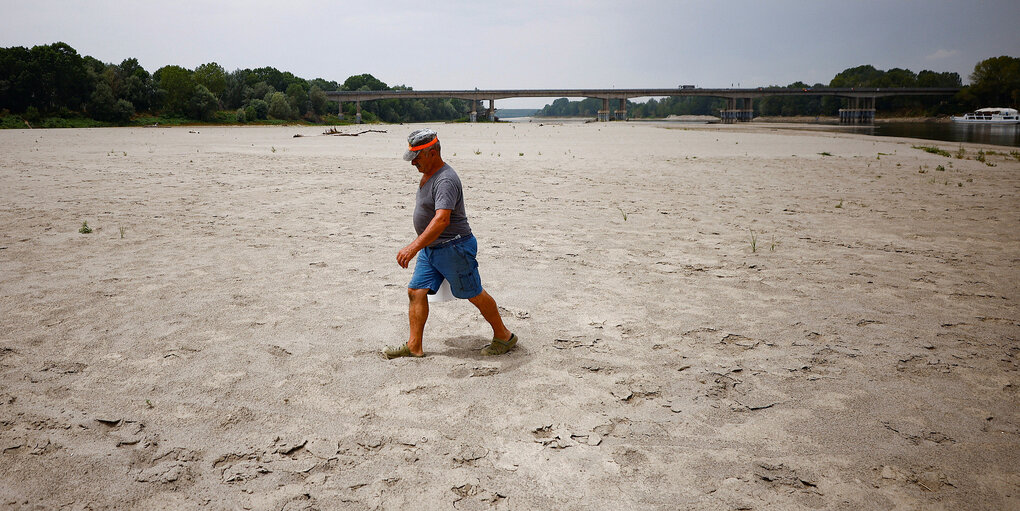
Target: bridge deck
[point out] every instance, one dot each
(636, 93)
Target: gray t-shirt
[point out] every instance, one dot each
(442, 191)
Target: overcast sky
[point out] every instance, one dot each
(531, 44)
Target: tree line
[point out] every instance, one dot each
(994, 82)
(55, 81)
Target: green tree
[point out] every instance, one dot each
(135, 84)
(212, 76)
(260, 90)
(259, 109)
(324, 84)
(298, 98)
(928, 78)
(102, 103)
(279, 106)
(15, 78)
(996, 82)
(363, 82)
(237, 90)
(270, 75)
(58, 77)
(318, 100)
(860, 76)
(178, 88)
(203, 103)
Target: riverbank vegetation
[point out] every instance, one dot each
(53, 86)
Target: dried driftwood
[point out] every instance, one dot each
(334, 131)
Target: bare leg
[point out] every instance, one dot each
(417, 314)
(487, 306)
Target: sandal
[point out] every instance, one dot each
(401, 351)
(499, 347)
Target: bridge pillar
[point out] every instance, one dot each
(492, 110)
(603, 115)
(340, 109)
(726, 114)
(474, 110)
(621, 113)
(733, 114)
(861, 111)
(357, 117)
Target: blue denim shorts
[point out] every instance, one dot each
(453, 261)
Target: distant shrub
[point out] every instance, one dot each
(260, 109)
(203, 103)
(279, 106)
(123, 110)
(32, 114)
(241, 116)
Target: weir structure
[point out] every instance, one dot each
(739, 102)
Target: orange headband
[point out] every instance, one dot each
(423, 146)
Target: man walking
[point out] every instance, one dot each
(445, 248)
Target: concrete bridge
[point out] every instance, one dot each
(739, 106)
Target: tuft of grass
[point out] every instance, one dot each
(1015, 154)
(754, 241)
(122, 231)
(960, 153)
(85, 229)
(980, 156)
(840, 205)
(624, 213)
(934, 150)
(273, 148)
(772, 247)
(477, 152)
(940, 168)
(520, 154)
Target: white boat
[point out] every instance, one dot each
(990, 116)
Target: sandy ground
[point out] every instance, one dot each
(711, 317)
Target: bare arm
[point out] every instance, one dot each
(426, 238)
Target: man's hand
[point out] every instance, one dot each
(432, 232)
(406, 254)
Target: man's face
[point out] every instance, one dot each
(420, 161)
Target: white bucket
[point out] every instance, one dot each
(443, 294)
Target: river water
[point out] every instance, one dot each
(1003, 135)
